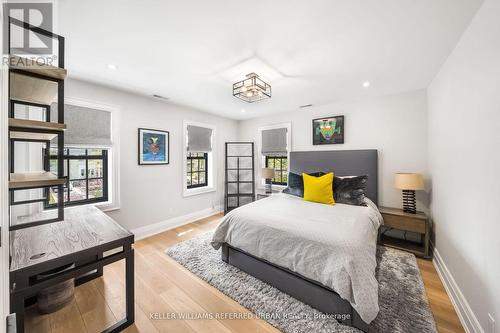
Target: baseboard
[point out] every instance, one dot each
(467, 317)
(156, 228)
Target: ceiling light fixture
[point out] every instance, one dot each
(366, 84)
(112, 67)
(251, 89)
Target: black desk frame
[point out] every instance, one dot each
(24, 285)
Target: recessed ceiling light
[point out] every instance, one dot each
(366, 84)
(243, 110)
(113, 67)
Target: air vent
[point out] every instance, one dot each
(160, 97)
(305, 106)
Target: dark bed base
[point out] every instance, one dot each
(305, 290)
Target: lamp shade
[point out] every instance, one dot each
(267, 173)
(409, 181)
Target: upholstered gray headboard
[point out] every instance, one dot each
(342, 162)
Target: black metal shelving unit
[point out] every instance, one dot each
(35, 84)
(239, 180)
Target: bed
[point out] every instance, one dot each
(322, 255)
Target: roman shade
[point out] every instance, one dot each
(86, 126)
(274, 142)
(199, 139)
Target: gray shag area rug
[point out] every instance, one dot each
(402, 300)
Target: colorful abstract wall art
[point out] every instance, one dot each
(153, 146)
(328, 130)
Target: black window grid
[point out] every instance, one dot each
(197, 159)
(279, 173)
(67, 158)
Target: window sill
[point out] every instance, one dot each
(105, 206)
(196, 191)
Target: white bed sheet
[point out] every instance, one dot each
(333, 245)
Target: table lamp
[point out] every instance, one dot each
(268, 175)
(409, 183)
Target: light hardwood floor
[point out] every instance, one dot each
(164, 286)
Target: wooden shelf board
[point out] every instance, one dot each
(399, 212)
(34, 179)
(35, 124)
(28, 65)
(34, 90)
(32, 136)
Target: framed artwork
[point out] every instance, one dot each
(154, 147)
(329, 130)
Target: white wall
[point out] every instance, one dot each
(153, 194)
(394, 125)
(28, 157)
(464, 156)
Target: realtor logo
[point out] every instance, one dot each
(24, 41)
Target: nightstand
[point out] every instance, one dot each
(261, 194)
(418, 223)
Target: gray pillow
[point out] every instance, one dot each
(350, 190)
(296, 183)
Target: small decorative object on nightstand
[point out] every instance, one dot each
(409, 182)
(408, 222)
(268, 175)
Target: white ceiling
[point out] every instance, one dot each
(310, 51)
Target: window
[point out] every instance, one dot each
(274, 146)
(197, 170)
(199, 156)
(87, 181)
(280, 166)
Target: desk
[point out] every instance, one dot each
(81, 239)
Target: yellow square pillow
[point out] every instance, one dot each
(319, 189)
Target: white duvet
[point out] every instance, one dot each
(333, 245)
